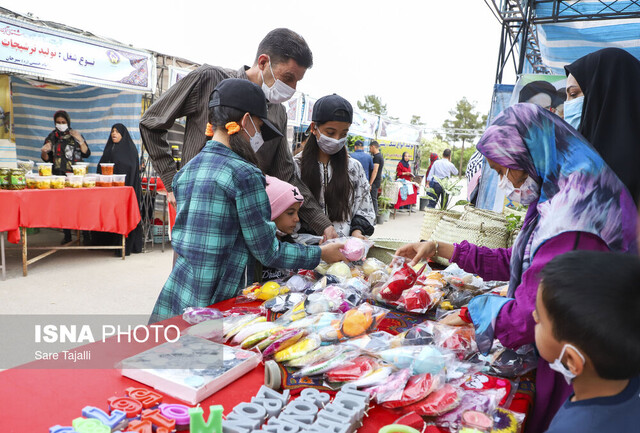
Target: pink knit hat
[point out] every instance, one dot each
(281, 196)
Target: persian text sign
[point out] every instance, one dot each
(32, 50)
(395, 149)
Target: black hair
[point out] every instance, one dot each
(374, 143)
(219, 116)
(63, 114)
(446, 153)
(339, 193)
(284, 44)
(593, 302)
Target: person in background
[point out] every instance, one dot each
(473, 174)
(281, 61)
(575, 202)
(376, 174)
(590, 336)
(300, 146)
(223, 221)
(403, 169)
(122, 152)
(433, 157)
(285, 201)
(603, 90)
(63, 147)
(364, 158)
(442, 169)
(335, 180)
(541, 93)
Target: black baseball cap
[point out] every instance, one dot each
(245, 96)
(332, 108)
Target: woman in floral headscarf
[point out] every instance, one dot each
(575, 202)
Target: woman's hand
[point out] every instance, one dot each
(331, 252)
(75, 134)
(417, 251)
(329, 233)
(46, 148)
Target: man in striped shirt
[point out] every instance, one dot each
(283, 58)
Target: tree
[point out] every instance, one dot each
(464, 117)
(415, 120)
(434, 145)
(373, 104)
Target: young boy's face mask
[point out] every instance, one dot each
(558, 366)
(256, 141)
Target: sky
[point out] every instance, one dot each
(419, 56)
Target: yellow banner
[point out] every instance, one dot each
(5, 104)
(395, 149)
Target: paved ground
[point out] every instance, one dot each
(95, 282)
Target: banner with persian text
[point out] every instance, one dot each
(29, 49)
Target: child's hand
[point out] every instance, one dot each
(331, 252)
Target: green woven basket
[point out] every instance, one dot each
(384, 249)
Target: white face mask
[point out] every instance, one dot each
(279, 92)
(505, 184)
(62, 127)
(558, 366)
(329, 145)
(256, 141)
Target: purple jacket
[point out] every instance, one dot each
(514, 324)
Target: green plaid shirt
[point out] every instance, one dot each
(223, 224)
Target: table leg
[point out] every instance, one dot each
(4, 265)
(123, 246)
(164, 219)
(23, 234)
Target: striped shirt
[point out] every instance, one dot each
(190, 97)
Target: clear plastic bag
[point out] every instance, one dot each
(354, 323)
(353, 369)
(442, 400)
(200, 314)
(354, 249)
(417, 388)
(393, 387)
(481, 401)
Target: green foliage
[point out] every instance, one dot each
(463, 116)
(451, 187)
(434, 145)
(466, 154)
(514, 222)
(351, 141)
(415, 120)
(373, 104)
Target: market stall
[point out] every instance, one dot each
(112, 210)
(367, 330)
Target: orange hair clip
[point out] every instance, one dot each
(209, 131)
(232, 128)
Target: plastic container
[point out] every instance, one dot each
(57, 182)
(43, 182)
(75, 181)
(104, 180)
(44, 168)
(27, 166)
(79, 169)
(89, 181)
(32, 180)
(118, 179)
(107, 168)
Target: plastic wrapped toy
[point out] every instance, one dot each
(339, 269)
(232, 324)
(402, 278)
(372, 343)
(318, 355)
(354, 323)
(458, 339)
(355, 249)
(378, 376)
(298, 283)
(392, 388)
(440, 401)
(200, 314)
(422, 359)
(371, 265)
(286, 339)
(339, 358)
(300, 348)
(352, 370)
(254, 339)
(481, 401)
(252, 329)
(282, 303)
(417, 388)
(482, 382)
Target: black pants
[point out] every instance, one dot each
(374, 197)
(439, 194)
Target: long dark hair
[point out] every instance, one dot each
(339, 193)
(220, 116)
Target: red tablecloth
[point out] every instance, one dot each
(100, 209)
(161, 188)
(411, 198)
(34, 400)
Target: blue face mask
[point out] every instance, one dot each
(573, 111)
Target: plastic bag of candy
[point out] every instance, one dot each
(354, 249)
(417, 388)
(200, 314)
(352, 370)
(354, 323)
(484, 402)
(402, 278)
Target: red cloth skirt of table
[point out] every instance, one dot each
(411, 198)
(32, 400)
(112, 209)
(161, 188)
